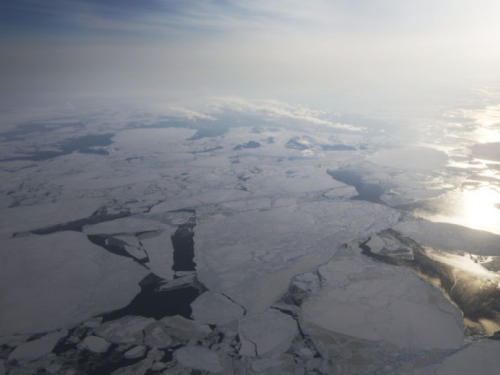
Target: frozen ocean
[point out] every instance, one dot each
(249, 237)
(249, 187)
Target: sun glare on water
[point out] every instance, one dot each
(475, 208)
(464, 262)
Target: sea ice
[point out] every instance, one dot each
(475, 358)
(375, 301)
(61, 279)
(158, 246)
(126, 330)
(156, 335)
(268, 333)
(26, 218)
(215, 308)
(199, 358)
(37, 348)
(251, 256)
(96, 344)
(185, 329)
(136, 352)
(124, 225)
(451, 237)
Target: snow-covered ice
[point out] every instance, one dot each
(374, 301)
(215, 308)
(251, 256)
(61, 279)
(270, 332)
(278, 284)
(96, 344)
(199, 358)
(475, 358)
(186, 329)
(37, 348)
(127, 330)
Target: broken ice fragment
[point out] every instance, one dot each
(136, 352)
(127, 330)
(37, 348)
(270, 332)
(374, 301)
(65, 280)
(156, 335)
(215, 308)
(96, 344)
(183, 328)
(199, 358)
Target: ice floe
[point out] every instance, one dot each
(251, 256)
(267, 333)
(96, 344)
(199, 358)
(127, 330)
(62, 279)
(375, 302)
(98, 273)
(215, 308)
(37, 348)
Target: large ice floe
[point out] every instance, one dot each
(237, 243)
(372, 301)
(60, 279)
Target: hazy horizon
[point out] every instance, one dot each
(325, 53)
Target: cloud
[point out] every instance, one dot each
(190, 114)
(278, 109)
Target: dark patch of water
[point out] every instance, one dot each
(63, 346)
(250, 144)
(207, 150)
(366, 191)
(104, 364)
(86, 141)
(21, 131)
(151, 303)
(99, 216)
(76, 144)
(206, 128)
(183, 244)
(294, 144)
(37, 156)
(168, 357)
(98, 151)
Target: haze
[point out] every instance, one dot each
(353, 54)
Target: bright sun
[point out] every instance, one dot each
(476, 209)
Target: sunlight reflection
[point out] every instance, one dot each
(464, 262)
(473, 125)
(484, 116)
(486, 135)
(477, 209)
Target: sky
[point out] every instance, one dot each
(350, 50)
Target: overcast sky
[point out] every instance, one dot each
(243, 47)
